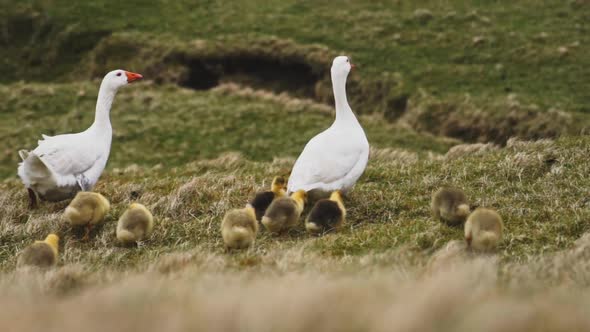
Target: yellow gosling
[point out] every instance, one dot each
(136, 224)
(262, 200)
(283, 213)
(279, 186)
(41, 253)
(483, 230)
(450, 205)
(87, 209)
(239, 228)
(327, 214)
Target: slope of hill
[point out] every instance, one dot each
(233, 91)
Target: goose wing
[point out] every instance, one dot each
(67, 155)
(321, 164)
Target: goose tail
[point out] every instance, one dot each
(32, 170)
(312, 227)
(489, 239)
(72, 215)
(463, 211)
(238, 237)
(125, 236)
(23, 154)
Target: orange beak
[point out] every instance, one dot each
(352, 66)
(132, 76)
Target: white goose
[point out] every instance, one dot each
(62, 165)
(335, 158)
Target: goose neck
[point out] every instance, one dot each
(106, 95)
(343, 110)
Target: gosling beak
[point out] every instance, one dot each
(468, 239)
(132, 76)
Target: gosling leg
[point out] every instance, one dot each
(87, 233)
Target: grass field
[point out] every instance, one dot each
(233, 91)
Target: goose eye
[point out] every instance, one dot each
(119, 74)
(347, 60)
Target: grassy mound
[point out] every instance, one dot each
(491, 120)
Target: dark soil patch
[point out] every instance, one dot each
(497, 122)
(265, 73)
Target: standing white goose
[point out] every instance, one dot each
(62, 165)
(335, 158)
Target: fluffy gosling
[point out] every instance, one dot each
(283, 213)
(135, 225)
(450, 205)
(327, 214)
(239, 228)
(87, 209)
(263, 199)
(483, 230)
(41, 253)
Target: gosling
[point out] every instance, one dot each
(327, 214)
(41, 254)
(239, 228)
(87, 209)
(450, 206)
(483, 230)
(135, 225)
(263, 199)
(283, 213)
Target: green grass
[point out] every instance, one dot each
(436, 54)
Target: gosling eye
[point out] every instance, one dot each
(119, 74)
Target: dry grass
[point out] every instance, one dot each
(194, 291)
(539, 188)
(391, 268)
(463, 150)
(291, 104)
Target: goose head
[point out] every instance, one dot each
(53, 241)
(341, 66)
(118, 78)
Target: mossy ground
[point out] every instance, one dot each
(433, 76)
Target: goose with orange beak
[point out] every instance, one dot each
(62, 165)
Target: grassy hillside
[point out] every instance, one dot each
(540, 189)
(391, 258)
(487, 96)
(476, 47)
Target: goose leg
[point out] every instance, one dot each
(32, 199)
